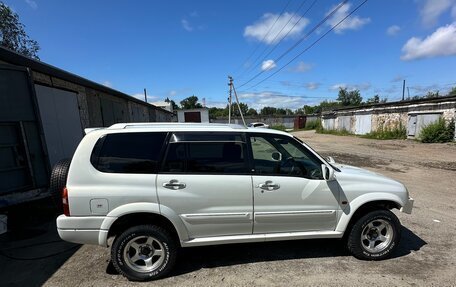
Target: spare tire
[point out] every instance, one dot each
(59, 176)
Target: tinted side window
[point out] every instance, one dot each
(206, 153)
(217, 157)
(128, 152)
(294, 159)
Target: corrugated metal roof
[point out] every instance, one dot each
(15, 58)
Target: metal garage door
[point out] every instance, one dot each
(23, 165)
(61, 121)
(344, 123)
(363, 124)
(423, 120)
(192, 117)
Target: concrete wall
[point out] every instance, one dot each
(387, 117)
(287, 121)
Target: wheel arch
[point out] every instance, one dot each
(133, 214)
(361, 206)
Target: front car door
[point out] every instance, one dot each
(205, 179)
(290, 194)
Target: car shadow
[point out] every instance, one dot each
(32, 251)
(193, 259)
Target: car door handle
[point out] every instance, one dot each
(269, 185)
(174, 184)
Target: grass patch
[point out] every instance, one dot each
(334, 132)
(437, 132)
(313, 125)
(398, 132)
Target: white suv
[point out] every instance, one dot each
(156, 187)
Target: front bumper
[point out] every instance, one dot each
(407, 208)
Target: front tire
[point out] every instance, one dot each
(375, 235)
(144, 252)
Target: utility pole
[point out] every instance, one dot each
(403, 89)
(145, 95)
(408, 92)
(237, 101)
(229, 99)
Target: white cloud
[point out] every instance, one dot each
(186, 25)
(351, 23)
(32, 4)
(393, 30)
(259, 30)
(440, 43)
(432, 9)
(268, 65)
(107, 84)
(172, 93)
(350, 87)
(312, 86)
(260, 100)
(301, 67)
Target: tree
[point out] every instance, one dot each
(252, 112)
(235, 109)
(13, 36)
(349, 98)
(374, 100)
(190, 103)
(452, 92)
(432, 94)
(173, 104)
(268, 111)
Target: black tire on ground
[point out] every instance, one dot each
(59, 176)
(374, 227)
(136, 241)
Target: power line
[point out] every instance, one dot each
(311, 45)
(254, 64)
(299, 41)
(265, 35)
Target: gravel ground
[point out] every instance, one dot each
(423, 258)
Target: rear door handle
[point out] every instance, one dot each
(174, 184)
(269, 185)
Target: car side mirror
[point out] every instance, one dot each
(328, 172)
(330, 160)
(276, 156)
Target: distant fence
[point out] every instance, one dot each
(286, 121)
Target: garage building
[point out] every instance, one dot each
(43, 113)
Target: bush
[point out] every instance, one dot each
(312, 125)
(437, 132)
(279, 127)
(398, 132)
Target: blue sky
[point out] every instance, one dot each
(179, 48)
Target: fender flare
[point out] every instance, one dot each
(142, 207)
(348, 211)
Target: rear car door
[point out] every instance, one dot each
(205, 179)
(290, 194)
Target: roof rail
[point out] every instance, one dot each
(174, 125)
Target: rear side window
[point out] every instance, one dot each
(214, 153)
(128, 152)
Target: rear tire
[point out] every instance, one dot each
(375, 235)
(144, 252)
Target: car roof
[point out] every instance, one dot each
(180, 127)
